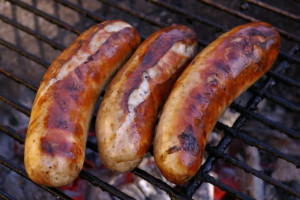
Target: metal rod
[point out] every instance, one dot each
(264, 120)
(22, 52)
(20, 107)
(289, 57)
(132, 12)
(46, 16)
(207, 178)
(160, 184)
(32, 32)
(278, 100)
(257, 143)
(104, 186)
(87, 13)
(14, 167)
(189, 14)
(5, 196)
(13, 133)
(283, 79)
(252, 171)
(82, 10)
(14, 77)
(275, 9)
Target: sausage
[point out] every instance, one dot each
(217, 75)
(62, 109)
(126, 118)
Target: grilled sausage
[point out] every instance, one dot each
(57, 133)
(221, 72)
(127, 114)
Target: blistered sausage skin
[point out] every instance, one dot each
(217, 75)
(127, 114)
(57, 133)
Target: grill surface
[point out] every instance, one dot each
(209, 19)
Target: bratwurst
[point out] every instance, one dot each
(57, 133)
(220, 73)
(127, 114)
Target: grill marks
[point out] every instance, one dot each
(188, 143)
(152, 56)
(55, 144)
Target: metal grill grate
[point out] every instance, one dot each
(179, 13)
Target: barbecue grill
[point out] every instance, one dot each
(267, 112)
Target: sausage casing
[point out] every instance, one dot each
(127, 114)
(217, 75)
(57, 133)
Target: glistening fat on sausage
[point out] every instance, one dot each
(57, 133)
(222, 71)
(127, 114)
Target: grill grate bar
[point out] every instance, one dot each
(196, 181)
(274, 125)
(14, 167)
(275, 9)
(257, 143)
(32, 32)
(190, 15)
(46, 16)
(20, 107)
(289, 57)
(13, 133)
(207, 178)
(6, 196)
(160, 184)
(134, 13)
(277, 99)
(104, 186)
(282, 101)
(90, 14)
(14, 77)
(247, 17)
(24, 53)
(249, 169)
(82, 10)
(284, 79)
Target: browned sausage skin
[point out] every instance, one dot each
(127, 114)
(57, 132)
(222, 71)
